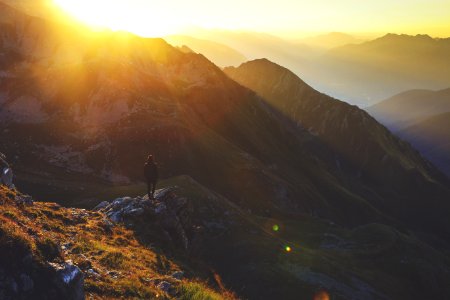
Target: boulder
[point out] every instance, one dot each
(178, 275)
(26, 283)
(69, 280)
(171, 213)
(164, 286)
(101, 206)
(24, 200)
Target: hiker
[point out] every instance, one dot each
(6, 175)
(151, 174)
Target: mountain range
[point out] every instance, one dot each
(254, 146)
(421, 118)
(357, 71)
(330, 40)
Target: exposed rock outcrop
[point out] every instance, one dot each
(168, 212)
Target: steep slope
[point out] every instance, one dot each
(133, 248)
(361, 144)
(51, 252)
(221, 55)
(432, 138)
(84, 111)
(410, 107)
(377, 69)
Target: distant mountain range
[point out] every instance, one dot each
(432, 138)
(255, 147)
(377, 69)
(422, 118)
(357, 71)
(410, 107)
(330, 40)
(220, 54)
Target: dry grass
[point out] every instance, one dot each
(116, 265)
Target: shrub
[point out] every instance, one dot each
(196, 291)
(113, 260)
(48, 249)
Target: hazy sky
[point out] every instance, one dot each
(149, 17)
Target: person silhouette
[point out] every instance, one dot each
(151, 175)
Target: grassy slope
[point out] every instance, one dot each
(87, 245)
(371, 261)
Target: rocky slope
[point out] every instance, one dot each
(192, 242)
(51, 252)
(75, 108)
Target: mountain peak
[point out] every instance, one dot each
(274, 71)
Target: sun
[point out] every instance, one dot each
(121, 15)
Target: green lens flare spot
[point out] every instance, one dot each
(288, 249)
(275, 227)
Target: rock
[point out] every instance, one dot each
(114, 274)
(101, 206)
(69, 280)
(168, 212)
(28, 259)
(93, 273)
(135, 212)
(12, 284)
(160, 208)
(178, 275)
(24, 200)
(6, 177)
(164, 193)
(164, 286)
(115, 217)
(26, 283)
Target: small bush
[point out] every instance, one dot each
(11, 215)
(48, 249)
(82, 245)
(196, 291)
(113, 260)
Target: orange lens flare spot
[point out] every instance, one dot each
(322, 295)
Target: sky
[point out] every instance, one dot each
(282, 17)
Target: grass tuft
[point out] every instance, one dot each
(113, 260)
(197, 291)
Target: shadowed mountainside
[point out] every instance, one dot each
(362, 144)
(432, 138)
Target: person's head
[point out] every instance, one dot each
(150, 158)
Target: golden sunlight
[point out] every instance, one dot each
(120, 15)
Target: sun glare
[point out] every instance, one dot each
(120, 15)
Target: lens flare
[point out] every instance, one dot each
(275, 227)
(322, 295)
(288, 249)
